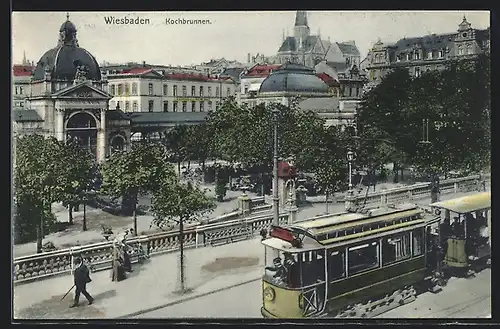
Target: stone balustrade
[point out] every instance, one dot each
(39, 266)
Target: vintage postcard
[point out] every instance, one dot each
(256, 165)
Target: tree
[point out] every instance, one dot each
(176, 142)
(75, 175)
(380, 117)
(36, 174)
(331, 167)
(181, 203)
(128, 174)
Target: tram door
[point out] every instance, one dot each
(313, 282)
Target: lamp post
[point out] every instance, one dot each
(276, 200)
(350, 159)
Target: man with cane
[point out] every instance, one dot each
(82, 277)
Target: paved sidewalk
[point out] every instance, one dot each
(150, 285)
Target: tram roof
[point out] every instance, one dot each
(466, 204)
(328, 221)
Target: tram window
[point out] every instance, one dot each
(312, 264)
(363, 257)
(336, 264)
(418, 242)
(285, 273)
(395, 248)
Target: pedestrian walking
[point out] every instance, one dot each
(82, 277)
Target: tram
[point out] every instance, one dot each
(351, 264)
(464, 233)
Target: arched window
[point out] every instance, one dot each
(469, 49)
(460, 50)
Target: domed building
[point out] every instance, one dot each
(298, 84)
(67, 99)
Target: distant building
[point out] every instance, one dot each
(252, 78)
(217, 66)
(108, 68)
(306, 49)
(21, 77)
(146, 90)
(429, 52)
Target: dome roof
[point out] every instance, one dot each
(64, 60)
(293, 78)
(67, 26)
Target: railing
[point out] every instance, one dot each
(416, 191)
(48, 264)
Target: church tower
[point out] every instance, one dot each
(301, 29)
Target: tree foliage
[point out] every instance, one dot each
(449, 108)
(128, 174)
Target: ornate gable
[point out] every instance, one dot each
(83, 90)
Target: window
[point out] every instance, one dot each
(120, 89)
(120, 104)
(210, 105)
(460, 50)
(175, 91)
(134, 106)
(112, 105)
(165, 106)
(417, 72)
(228, 91)
(193, 106)
(134, 88)
(209, 91)
(357, 91)
(246, 89)
(112, 89)
(17, 90)
(151, 105)
(193, 91)
(184, 106)
(150, 87)
(418, 242)
(440, 55)
(184, 91)
(20, 90)
(216, 91)
(174, 109)
(202, 106)
(165, 90)
(336, 264)
(201, 91)
(429, 55)
(469, 51)
(417, 55)
(350, 91)
(363, 258)
(127, 106)
(395, 248)
(127, 89)
(312, 266)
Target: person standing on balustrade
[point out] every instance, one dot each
(82, 277)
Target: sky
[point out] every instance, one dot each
(231, 35)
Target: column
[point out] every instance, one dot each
(101, 154)
(59, 124)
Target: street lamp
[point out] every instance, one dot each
(276, 199)
(350, 159)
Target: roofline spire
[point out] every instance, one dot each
(67, 16)
(301, 18)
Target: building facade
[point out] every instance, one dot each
(21, 78)
(217, 66)
(306, 49)
(146, 90)
(429, 52)
(68, 99)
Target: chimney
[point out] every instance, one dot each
(143, 63)
(248, 57)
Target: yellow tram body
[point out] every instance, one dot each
(331, 248)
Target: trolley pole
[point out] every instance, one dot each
(276, 200)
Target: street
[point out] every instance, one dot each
(461, 298)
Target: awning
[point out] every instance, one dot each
(466, 204)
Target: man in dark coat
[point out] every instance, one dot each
(82, 277)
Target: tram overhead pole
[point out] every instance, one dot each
(276, 200)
